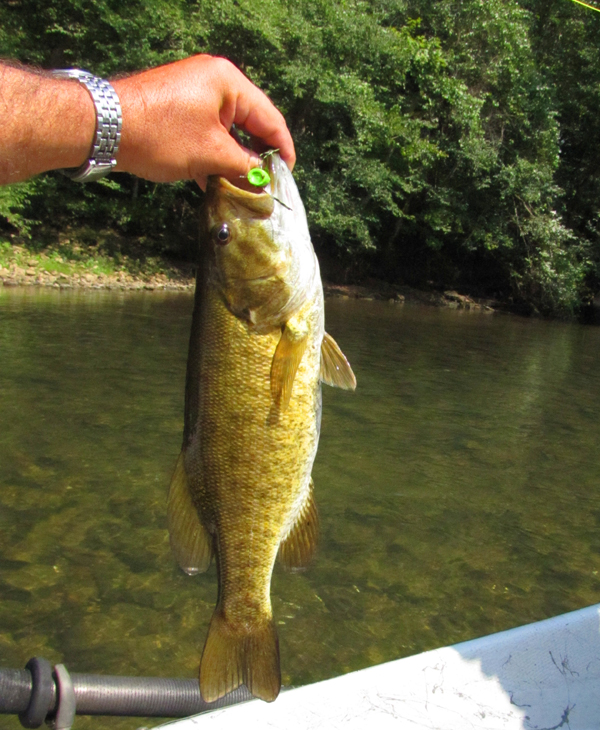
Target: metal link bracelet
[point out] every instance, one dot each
(109, 120)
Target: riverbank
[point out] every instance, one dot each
(70, 265)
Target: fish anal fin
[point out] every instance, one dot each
(298, 548)
(191, 543)
(231, 658)
(287, 357)
(335, 368)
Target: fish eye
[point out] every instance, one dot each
(223, 234)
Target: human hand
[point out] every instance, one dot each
(177, 119)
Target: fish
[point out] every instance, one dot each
(242, 490)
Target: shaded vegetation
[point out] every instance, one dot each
(440, 143)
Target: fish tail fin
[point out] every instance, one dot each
(231, 658)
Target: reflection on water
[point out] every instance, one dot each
(458, 487)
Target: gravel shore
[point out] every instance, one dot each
(34, 272)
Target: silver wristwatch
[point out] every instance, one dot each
(108, 126)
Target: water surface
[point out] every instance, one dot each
(458, 487)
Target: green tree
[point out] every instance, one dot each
(566, 41)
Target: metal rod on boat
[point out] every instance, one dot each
(40, 692)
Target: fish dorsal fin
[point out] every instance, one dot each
(335, 368)
(298, 548)
(191, 543)
(286, 359)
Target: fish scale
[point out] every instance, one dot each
(256, 470)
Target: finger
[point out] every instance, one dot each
(238, 160)
(202, 181)
(256, 114)
(230, 160)
(272, 134)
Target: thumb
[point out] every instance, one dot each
(231, 161)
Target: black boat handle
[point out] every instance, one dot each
(41, 693)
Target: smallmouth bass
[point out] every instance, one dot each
(242, 488)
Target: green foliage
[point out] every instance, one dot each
(14, 200)
(107, 36)
(438, 141)
(566, 41)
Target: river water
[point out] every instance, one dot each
(459, 487)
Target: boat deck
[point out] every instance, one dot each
(543, 676)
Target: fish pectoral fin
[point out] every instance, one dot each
(298, 548)
(233, 657)
(191, 543)
(287, 357)
(335, 368)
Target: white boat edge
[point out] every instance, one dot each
(542, 676)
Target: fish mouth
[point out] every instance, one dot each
(242, 189)
(257, 204)
(259, 200)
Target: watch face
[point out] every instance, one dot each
(72, 73)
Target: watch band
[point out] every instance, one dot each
(108, 126)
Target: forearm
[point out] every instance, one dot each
(46, 124)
